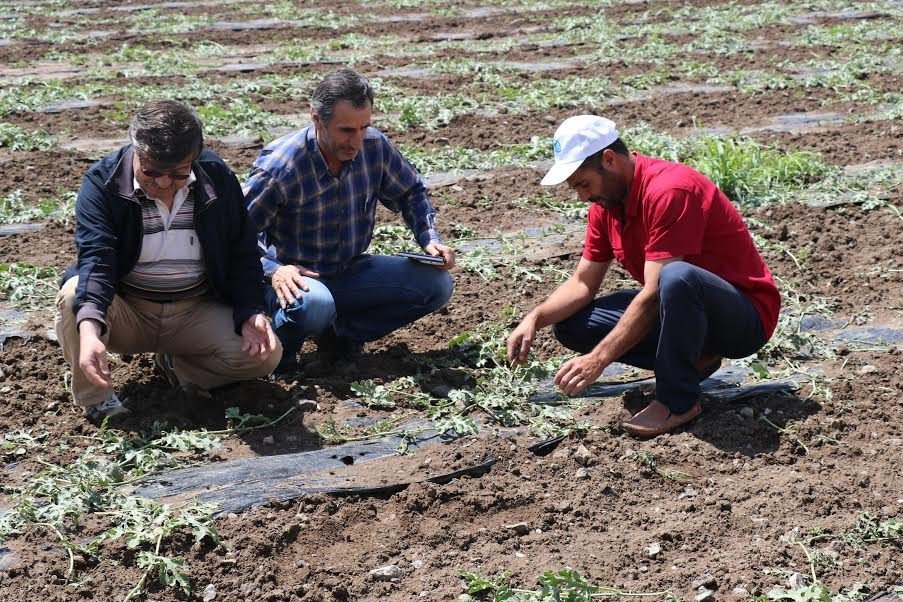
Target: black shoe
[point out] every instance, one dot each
(333, 348)
(288, 372)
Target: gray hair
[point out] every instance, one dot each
(341, 84)
(167, 131)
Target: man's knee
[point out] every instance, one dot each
(677, 277)
(314, 311)
(441, 289)
(268, 365)
(572, 334)
(65, 298)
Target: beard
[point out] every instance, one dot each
(617, 190)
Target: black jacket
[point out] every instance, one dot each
(109, 233)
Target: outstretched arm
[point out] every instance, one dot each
(574, 293)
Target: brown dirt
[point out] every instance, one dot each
(744, 484)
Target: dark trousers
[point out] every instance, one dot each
(699, 313)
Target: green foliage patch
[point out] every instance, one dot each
(28, 286)
(18, 139)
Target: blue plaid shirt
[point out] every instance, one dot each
(307, 216)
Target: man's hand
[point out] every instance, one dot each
(520, 341)
(578, 373)
(288, 284)
(436, 249)
(257, 338)
(92, 354)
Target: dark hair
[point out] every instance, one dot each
(341, 84)
(595, 159)
(167, 131)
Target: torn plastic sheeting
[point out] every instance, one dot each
(727, 376)
(68, 105)
(240, 484)
(14, 331)
(817, 323)
(871, 335)
(746, 391)
(11, 229)
(237, 473)
(236, 497)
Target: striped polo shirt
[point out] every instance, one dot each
(171, 264)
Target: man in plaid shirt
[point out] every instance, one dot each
(312, 195)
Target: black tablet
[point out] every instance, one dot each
(423, 258)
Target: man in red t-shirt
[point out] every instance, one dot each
(706, 293)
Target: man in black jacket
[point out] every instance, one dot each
(167, 263)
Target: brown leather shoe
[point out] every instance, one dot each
(656, 419)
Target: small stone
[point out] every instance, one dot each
(386, 573)
(269, 440)
(563, 506)
(688, 492)
(307, 405)
(583, 456)
(519, 528)
(232, 516)
(442, 141)
(740, 592)
(867, 369)
(796, 581)
(417, 563)
(582, 473)
(747, 412)
(248, 588)
(704, 594)
(653, 549)
(705, 581)
(209, 592)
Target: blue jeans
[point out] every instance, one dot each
(376, 295)
(699, 313)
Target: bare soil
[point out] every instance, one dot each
(730, 488)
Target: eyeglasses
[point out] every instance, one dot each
(152, 173)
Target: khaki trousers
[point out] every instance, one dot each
(199, 333)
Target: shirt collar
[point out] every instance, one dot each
(632, 205)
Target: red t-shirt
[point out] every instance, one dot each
(674, 211)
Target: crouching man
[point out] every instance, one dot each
(706, 292)
(313, 195)
(167, 263)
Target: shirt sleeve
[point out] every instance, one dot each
(402, 189)
(675, 225)
(264, 196)
(597, 246)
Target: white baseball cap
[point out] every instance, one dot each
(576, 139)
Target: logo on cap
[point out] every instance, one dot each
(556, 146)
